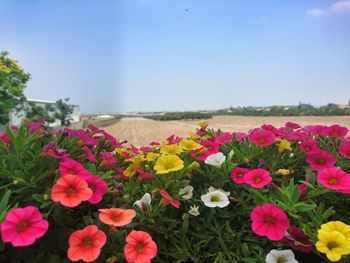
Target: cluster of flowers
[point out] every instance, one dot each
(263, 163)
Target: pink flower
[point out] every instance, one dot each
(237, 174)
(344, 149)
(52, 151)
(334, 179)
(89, 155)
(168, 199)
(257, 178)
(320, 159)
(112, 140)
(22, 226)
(335, 131)
(145, 149)
(108, 160)
(209, 148)
(299, 240)
(271, 128)
(270, 221)
(314, 129)
(303, 188)
(70, 166)
(98, 187)
(261, 137)
(35, 126)
(292, 125)
(5, 138)
(240, 136)
(173, 139)
(94, 129)
(223, 138)
(143, 174)
(308, 146)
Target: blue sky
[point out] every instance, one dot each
(149, 55)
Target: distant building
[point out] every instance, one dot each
(17, 117)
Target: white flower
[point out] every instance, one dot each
(217, 198)
(145, 200)
(194, 210)
(212, 189)
(277, 256)
(186, 192)
(215, 159)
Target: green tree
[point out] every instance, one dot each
(13, 81)
(64, 111)
(35, 112)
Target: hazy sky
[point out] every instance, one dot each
(131, 55)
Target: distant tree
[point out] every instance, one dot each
(34, 112)
(63, 112)
(13, 81)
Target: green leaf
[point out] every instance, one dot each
(4, 201)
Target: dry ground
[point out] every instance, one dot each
(140, 131)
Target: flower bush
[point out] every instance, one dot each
(269, 195)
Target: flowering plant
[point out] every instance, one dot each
(269, 195)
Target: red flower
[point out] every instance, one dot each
(257, 178)
(208, 148)
(334, 179)
(344, 149)
(116, 216)
(86, 244)
(70, 166)
(320, 159)
(168, 199)
(308, 146)
(299, 240)
(237, 174)
(223, 138)
(70, 190)
(140, 247)
(314, 129)
(270, 221)
(335, 131)
(261, 137)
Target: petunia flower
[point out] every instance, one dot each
(344, 149)
(257, 178)
(334, 179)
(189, 145)
(282, 172)
(194, 210)
(51, 150)
(89, 155)
(98, 186)
(86, 244)
(237, 174)
(168, 199)
(208, 148)
(108, 160)
(332, 243)
(320, 159)
(335, 131)
(261, 137)
(116, 216)
(144, 201)
(170, 149)
(270, 221)
(215, 198)
(186, 192)
(299, 240)
(71, 190)
(223, 138)
(73, 167)
(308, 146)
(22, 226)
(278, 256)
(139, 248)
(168, 163)
(216, 159)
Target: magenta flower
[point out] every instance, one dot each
(173, 139)
(223, 138)
(5, 138)
(240, 136)
(320, 159)
(292, 125)
(98, 187)
(314, 129)
(308, 146)
(237, 174)
(344, 149)
(209, 148)
(261, 137)
(35, 126)
(271, 128)
(108, 160)
(335, 131)
(334, 179)
(299, 240)
(270, 221)
(257, 178)
(143, 174)
(51, 150)
(89, 155)
(70, 166)
(22, 226)
(94, 129)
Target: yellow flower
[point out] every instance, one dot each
(283, 145)
(193, 165)
(130, 170)
(337, 226)
(137, 159)
(189, 145)
(193, 135)
(170, 149)
(282, 172)
(151, 156)
(168, 163)
(333, 244)
(202, 123)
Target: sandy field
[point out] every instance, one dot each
(140, 131)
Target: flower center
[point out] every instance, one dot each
(257, 180)
(281, 260)
(21, 226)
(332, 245)
(269, 219)
(240, 175)
(138, 247)
(320, 161)
(115, 217)
(87, 241)
(334, 135)
(214, 198)
(261, 140)
(333, 181)
(70, 191)
(71, 171)
(92, 187)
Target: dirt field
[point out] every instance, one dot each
(140, 131)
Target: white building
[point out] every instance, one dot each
(17, 117)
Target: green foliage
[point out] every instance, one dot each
(13, 81)
(63, 112)
(35, 112)
(172, 116)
